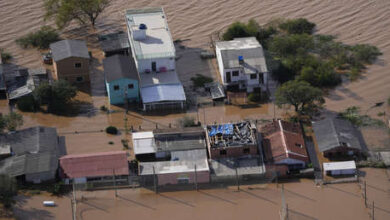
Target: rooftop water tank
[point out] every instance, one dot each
(143, 27)
(240, 59)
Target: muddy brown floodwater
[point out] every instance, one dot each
(305, 202)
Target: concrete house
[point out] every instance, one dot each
(242, 64)
(94, 167)
(172, 155)
(121, 79)
(70, 60)
(31, 154)
(283, 144)
(154, 55)
(337, 138)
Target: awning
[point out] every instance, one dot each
(163, 93)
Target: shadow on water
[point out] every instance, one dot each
(217, 197)
(259, 197)
(137, 203)
(177, 200)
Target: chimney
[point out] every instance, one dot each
(240, 60)
(139, 33)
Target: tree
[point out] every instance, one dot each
(8, 190)
(40, 39)
(13, 120)
(65, 11)
(289, 45)
(57, 95)
(299, 94)
(27, 104)
(298, 26)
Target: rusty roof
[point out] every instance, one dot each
(95, 164)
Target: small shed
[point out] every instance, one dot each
(340, 168)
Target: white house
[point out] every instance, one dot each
(340, 168)
(154, 54)
(242, 64)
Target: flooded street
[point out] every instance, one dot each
(305, 201)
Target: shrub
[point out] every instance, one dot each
(8, 189)
(27, 104)
(258, 96)
(238, 29)
(111, 130)
(125, 143)
(40, 39)
(5, 56)
(199, 80)
(103, 108)
(288, 45)
(187, 121)
(298, 26)
(111, 142)
(365, 53)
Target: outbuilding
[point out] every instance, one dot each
(339, 168)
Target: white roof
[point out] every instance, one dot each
(164, 167)
(239, 43)
(344, 165)
(158, 42)
(148, 79)
(161, 93)
(143, 142)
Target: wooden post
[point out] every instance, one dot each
(238, 183)
(154, 180)
(196, 179)
(373, 210)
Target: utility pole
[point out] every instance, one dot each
(373, 210)
(204, 115)
(113, 177)
(196, 179)
(238, 183)
(365, 193)
(74, 201)
(154, 180)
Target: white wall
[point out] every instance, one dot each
(168, 63)
(220, 66)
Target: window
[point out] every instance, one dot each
(77, 65)
(222, 152)
(298, 145)
(246, 150)
(130, 86)
(116, 87)
(236, 73)
(253, 76)
(79, 79)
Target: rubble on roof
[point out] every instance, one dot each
(225, 135)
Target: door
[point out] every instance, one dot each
(228, 77)
(154, 66)
(261, 78)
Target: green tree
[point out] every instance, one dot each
(27, 104)
(299, 94)
(8, 189)
(3, 123)
(298, 26)
(40, 39)
(65, 11)
(13, 120)
(290, 45)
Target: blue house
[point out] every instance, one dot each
(121, 79)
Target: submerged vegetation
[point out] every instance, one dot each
(353, 115)
(297, 53)
(199, 80)
(5, 56)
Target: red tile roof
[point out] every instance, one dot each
(283, 140)
(95, 164)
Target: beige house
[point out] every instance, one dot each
(70, 60)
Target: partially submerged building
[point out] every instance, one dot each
(71, 60)
(94, 167)
(115, 43)
(283, 144)
(242, 64)
(154, 55)
(172, 156)
(121, 79)
(337, 138)
(31, 154)
(339, 168)
(231, 140)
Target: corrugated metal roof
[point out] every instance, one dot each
(69, 48)
(335, 132)
(162, 93)
(95, 165)
(143, 142)
(119, 67)
(344, 165)
(114, 42)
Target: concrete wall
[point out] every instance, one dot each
(168, 63)
(65, 69)
(238, 151)
(40, 177)
(117, 96)
(172, 178)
